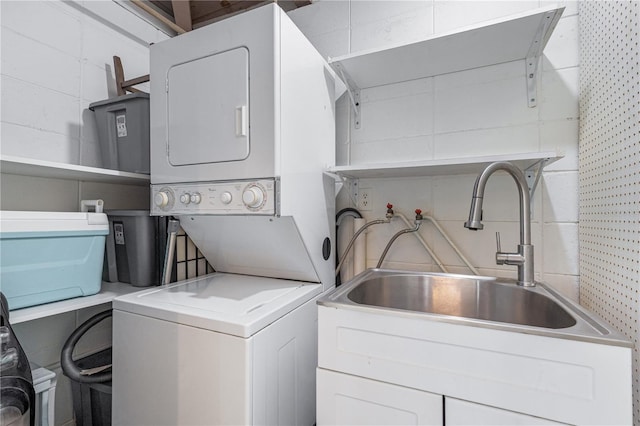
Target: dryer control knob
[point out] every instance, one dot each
(253, 197)
(196, 198)
(226, 197)
(161, 199)
(185, 198)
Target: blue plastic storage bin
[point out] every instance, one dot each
(50, 256)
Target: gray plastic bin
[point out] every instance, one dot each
(123, 132)
(133, 250)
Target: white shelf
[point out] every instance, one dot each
(451, 166)
(502, 40)
(49, 169)
(108, 292)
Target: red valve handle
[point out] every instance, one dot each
(418, 211)
(389, 205)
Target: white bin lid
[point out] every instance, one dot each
(21, 221)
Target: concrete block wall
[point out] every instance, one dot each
(56, 60)
(475, 112)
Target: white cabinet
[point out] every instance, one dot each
(464, 413)
(561, 379)
(343, 399)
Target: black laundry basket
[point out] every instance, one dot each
(91, 393)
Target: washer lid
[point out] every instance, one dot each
(240, 305)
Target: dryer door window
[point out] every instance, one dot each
(208, 109)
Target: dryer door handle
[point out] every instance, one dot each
(241, 121)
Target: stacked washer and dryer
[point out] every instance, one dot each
(242, 128)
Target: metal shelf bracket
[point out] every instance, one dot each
(533, 174)
(532, 60)
(354, 95)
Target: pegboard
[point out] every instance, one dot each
(609, 158)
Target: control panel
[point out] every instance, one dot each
(254, 197)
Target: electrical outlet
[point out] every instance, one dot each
(365, 199)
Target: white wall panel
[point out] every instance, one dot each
(42, 339)
(491, 97)
(450, 15)
(25, 59)
(561, 135)
(560, 250)
(376, 24)
(48, 22)
(90, 149)
(480, 111)
(610, 168)
(479, 142)
(29, 105)
(27, 141)
(558, 95)
(332, 44)
(43, 194)
(560, 197)
(326, 25)
(562, 48)
(322, 17)
(50, 113)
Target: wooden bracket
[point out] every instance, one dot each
(123, 86)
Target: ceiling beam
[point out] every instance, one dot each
(182, 13)
(151, 11)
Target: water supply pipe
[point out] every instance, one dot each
(359, 248)
(446, 237)
(418, 222)
(388, 216)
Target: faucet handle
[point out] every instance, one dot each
(501, 258)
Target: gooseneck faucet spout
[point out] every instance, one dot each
(523, 259)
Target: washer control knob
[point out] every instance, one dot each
(196, 198)
(226, 197)
(161, 199)
(253, 196)
(185, 198)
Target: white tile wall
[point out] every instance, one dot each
(476, 112)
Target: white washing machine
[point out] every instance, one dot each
(222, 349)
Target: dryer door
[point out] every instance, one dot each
(208, 109)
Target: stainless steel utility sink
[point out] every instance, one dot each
(472, 300)
(463, 297)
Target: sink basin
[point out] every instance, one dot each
(464, 297)
(472, 300)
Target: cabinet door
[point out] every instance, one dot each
(458, 413)
(350, 400)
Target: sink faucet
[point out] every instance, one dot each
(523, 259)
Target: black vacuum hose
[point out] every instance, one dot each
(69, 367)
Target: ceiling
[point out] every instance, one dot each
(185, 15)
